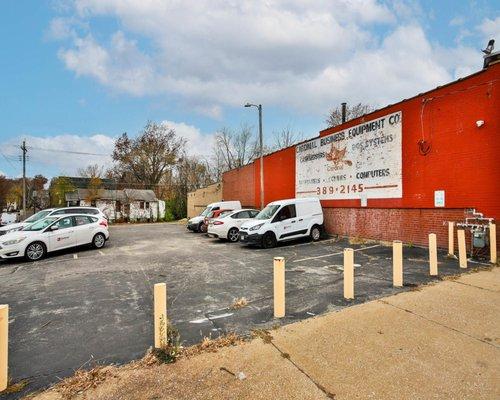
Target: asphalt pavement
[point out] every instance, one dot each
(81, 307)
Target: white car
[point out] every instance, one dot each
(54, 233)
(195, 224)
(284, 220)
(228, 225)
(50, 212)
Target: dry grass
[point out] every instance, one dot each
(239, 303)
(212, 345)
(83, 380)
(264, 334)
(15, 387)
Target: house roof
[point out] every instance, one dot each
(81, 182)
(125, 195)
(102, 194)
(140, 194)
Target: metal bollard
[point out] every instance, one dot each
(4, 346)
(397, 263)
(493, 243)
(462, 252)
(433, 262)
(160, 314)
(348, 273)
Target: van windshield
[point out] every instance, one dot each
(268, 212)
(205, 212)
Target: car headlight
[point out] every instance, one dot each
(256, 227)
(14, 229)
(14, 241)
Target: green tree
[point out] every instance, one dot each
(58, 188)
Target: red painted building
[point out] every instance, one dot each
(457, 157)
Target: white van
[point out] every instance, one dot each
(195, 223)
(284, 220)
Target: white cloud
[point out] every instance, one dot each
(197, 143)
(51, 152)
(58, 153)
(307, 54)
(490, 28)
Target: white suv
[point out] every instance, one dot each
(50, 212)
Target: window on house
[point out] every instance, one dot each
(93, 203)
(147, 205)
(118, 206)
(141, 205)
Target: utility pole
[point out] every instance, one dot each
(25, 150)
(261, 140)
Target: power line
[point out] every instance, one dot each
(10, 162)
(69, 151)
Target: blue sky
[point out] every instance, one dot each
(75, 74)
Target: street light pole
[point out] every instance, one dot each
(261, 143)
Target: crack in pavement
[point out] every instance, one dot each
(438, 323)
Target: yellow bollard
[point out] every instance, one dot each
(433, 260)
(348, 274)
(279, 287)
(493, 243)
(451, 238)
(397, 263)
(462, 252)
(4, 345)
(160, 315)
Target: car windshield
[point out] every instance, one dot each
(38, 216)
(39, 225)
(268, 212)
(205, 212)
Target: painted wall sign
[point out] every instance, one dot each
(359, 162)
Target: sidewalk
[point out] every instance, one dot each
(440, 342)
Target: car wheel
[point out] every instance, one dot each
(99, 241)
(203, 228)
(315, 233)
(200, 227)
(268, 240)
(233, 235)
(35, 251)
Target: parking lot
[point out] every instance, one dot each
(84, 306)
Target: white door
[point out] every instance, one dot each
(285, 222)
(64, 236)
(84, 229)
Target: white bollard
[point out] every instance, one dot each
(348, 273)
(493, 243)
(160, 315)
(433, 262)
(279, 287)
(397, 263)
(462, 250)
(451, 238)
(4, 346)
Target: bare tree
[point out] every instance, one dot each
(334, 118)
(233, 149)
(92, 171)
(286, 137)
(150, 156)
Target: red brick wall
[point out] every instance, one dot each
(239, 184)
(408, 225)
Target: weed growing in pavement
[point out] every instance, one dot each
(15, 387)
(264, 334)
(83, 380)
(212, 345)
(239, 303)
(168, 352)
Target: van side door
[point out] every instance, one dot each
(285, 222)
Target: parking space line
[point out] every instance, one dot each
(75, 256)
(336, 254)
